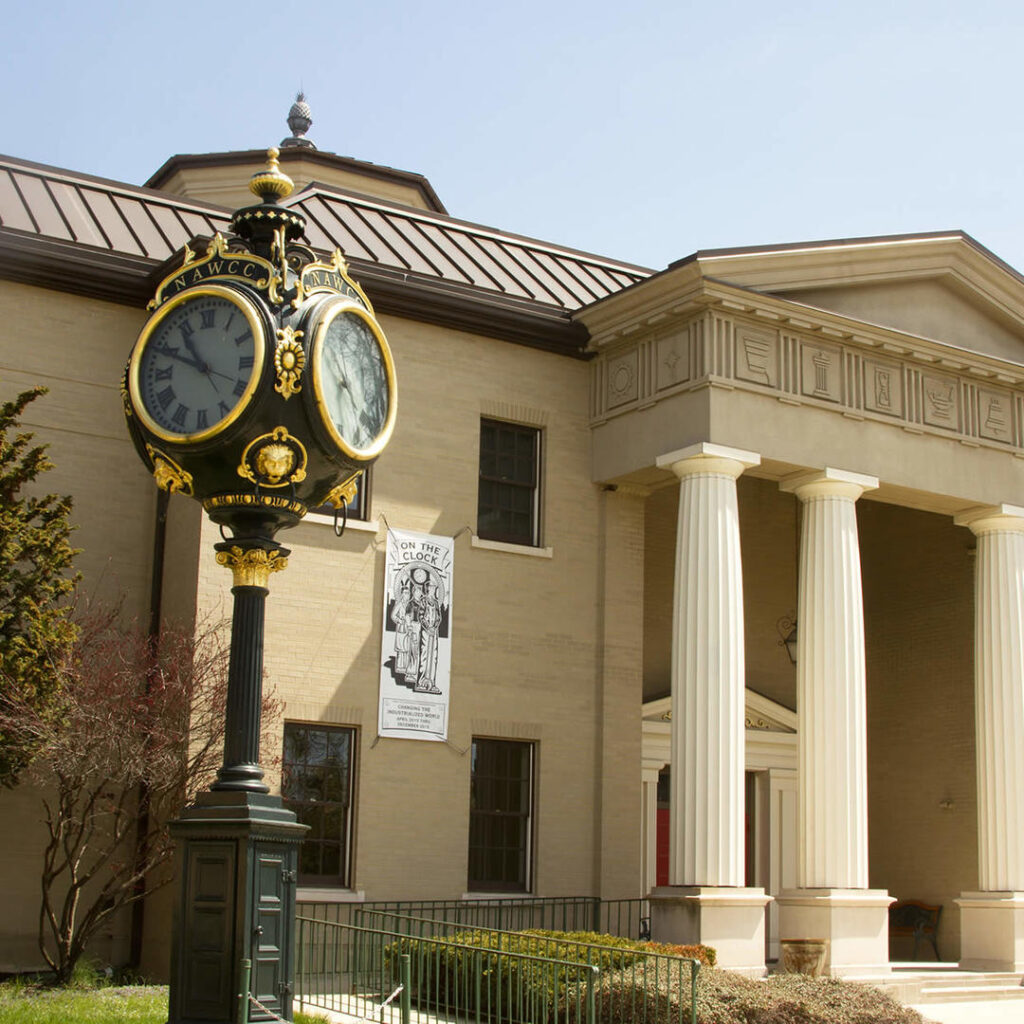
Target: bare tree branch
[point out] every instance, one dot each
(134, 717)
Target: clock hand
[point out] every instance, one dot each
(175, 354)
(191, 346)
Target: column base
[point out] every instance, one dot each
(992, 931)
(855, 923)
(729, 919)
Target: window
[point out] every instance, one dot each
(508, 501)
(500, 816)
(358, 507)
(316, 784)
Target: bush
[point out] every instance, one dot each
(634, 984)
(727, 998)
(517, 987)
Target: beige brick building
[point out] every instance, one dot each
(819, 442)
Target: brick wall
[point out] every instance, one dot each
(918, 608)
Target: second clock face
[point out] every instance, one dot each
(199, 363)
(354, 380)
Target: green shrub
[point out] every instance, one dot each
(727, 998)
(444, 971)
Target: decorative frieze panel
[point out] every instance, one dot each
(941, 401)
(822, 372)
(757, 356)
(673, 359)
(852, 375)
(623, 379)
(883, 387)
(995, 414)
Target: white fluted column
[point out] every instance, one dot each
(832, 896)
(831, 685)
(708, 688)
(649, 776)
(992, 920)
(708, 674)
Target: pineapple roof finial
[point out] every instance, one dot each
(300, 119)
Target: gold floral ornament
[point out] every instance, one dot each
(289, 361)
(168, 474)
(345, 492)
(251, 567)
(274, 460)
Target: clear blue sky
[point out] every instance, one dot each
(641, 130)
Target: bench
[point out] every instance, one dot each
(921, 920)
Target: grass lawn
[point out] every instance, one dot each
(138, 1004)
(133, 1004)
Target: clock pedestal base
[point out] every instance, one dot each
(238, 856)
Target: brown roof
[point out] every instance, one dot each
(76, 232)
(430, 246)
(308, 155)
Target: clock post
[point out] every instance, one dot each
(261, 386)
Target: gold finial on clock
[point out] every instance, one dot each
(271, 184)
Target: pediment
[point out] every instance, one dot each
(935, 309)
(761, 713)
(946, 288)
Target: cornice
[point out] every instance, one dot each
(706, 293)
(952, 257)
(131, 280)
(76, 268)
(864, 261)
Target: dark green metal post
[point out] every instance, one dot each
(239, 846)
(405, 969)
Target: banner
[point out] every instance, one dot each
(416, 644)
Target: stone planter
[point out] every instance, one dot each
(804, 956)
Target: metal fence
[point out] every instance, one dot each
(626, 918)
(637, 985)
(387, 976)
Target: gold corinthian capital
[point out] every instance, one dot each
(251, 567)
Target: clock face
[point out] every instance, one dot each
(197, 363)
(354, 380)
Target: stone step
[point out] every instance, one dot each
(949, 986)
(969, 993)
(973, 978)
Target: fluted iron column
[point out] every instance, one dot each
(992, 920)
(832, 899)
(251, 564)
(706, 901)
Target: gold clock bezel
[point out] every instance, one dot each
(249, 310)
(332, 310)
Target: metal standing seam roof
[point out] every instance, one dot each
(121, 219)
(428, 245)
(127, 221)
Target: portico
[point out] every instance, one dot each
(826, 374)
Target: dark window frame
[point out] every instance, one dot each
(509, 485)
(360, 509)
(319, 812)
(494, 836)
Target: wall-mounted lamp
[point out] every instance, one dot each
(787, 633)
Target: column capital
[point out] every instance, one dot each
(706, 459)
(992, 519)
(828, 483)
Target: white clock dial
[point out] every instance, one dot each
(197, 364)
(354, 380)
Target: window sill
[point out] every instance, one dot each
(505, 894)
(359, 525)
(322, 894)
(511, 549)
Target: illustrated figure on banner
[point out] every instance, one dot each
(417, 615)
